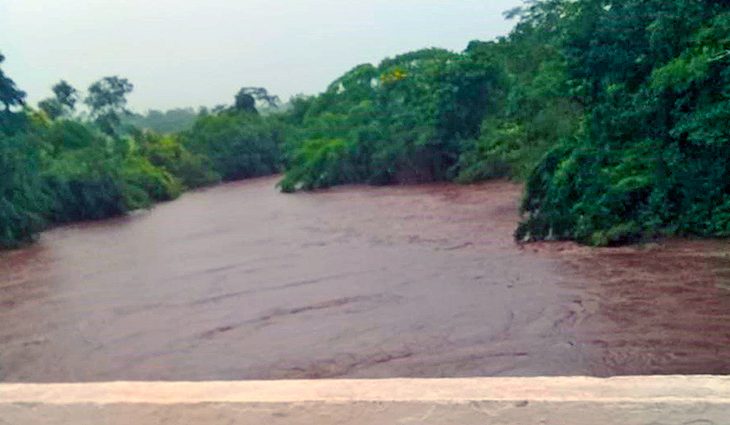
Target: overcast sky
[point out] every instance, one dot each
(199, 52)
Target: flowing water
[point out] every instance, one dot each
(242, 282)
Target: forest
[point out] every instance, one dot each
(613, 113)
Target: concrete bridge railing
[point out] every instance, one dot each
(698, 400)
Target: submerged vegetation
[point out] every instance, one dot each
(615, 114)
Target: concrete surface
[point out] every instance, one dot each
(680, 400)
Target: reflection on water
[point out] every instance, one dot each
(241, 282)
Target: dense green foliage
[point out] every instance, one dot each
(169, 154)
(57, 167)
(490, 111)
(653, 155)
(20, 184)
(616, 113)
(403, 121)
(239, 144)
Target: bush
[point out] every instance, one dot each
(169, 154)
(84, 185)
(401, 122)
(318, 164)
(238, 144)
(21, 200)
(89, 176)
(654, 156)
(157, 183)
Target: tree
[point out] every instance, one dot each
(51, 107)
(107, 100)
(66, 94)
(20, 187)
(651, 157)
(239, 146)
(402, 121)
(246, 98)
(63, 102)
(10, 95)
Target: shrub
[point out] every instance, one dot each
(239, 144)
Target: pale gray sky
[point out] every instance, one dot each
(199, 52)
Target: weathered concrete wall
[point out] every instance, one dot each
(701, 400)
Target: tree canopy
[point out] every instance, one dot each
(247, 97)
(652, 155)
(10, 95)
(107, 101)
(63, 102)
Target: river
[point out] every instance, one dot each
(241, 282)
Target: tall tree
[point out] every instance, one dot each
(246, 98)
(107, 99)
(10, 95)
(63, 102)
(66, 94)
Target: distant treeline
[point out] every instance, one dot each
(171, 121)
(615, 114)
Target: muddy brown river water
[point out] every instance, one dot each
(242, 282)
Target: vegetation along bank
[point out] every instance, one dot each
(614, 113)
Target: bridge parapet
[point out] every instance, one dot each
(668, 400)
